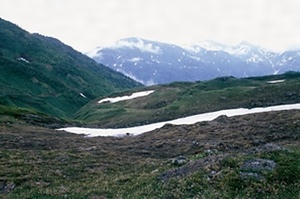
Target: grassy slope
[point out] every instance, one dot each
(183, 99)
(54, 77)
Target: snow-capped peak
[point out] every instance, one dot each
(242, 48)
(135, 42)
(211, 45)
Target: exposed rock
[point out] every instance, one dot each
(8, 187)
(145, 152)
(214, 174)
(258, 165)
(155, 171)
(254, 167)
(19, 139)
(192, 167)
(211, 151)
(195, 143)
(257, 142)
(251, 175)
(2, 185)
(92, 148)
(272, 147)
(181, 160)
(267, 148)
(42, 183)
(63, 157)
(291, 94)
(222, 98)
(222, 119)
(167, 126)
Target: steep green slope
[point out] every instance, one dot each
(183, 99)
(44, 74)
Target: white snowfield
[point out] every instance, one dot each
(90, 132)
(127, 97)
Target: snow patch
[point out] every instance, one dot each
(90, 132)
(23, 59)
(155, 60)
(135, 59)
(276, 81)
(82, 95)
(127, 97)
(195, 58)
(254, 58)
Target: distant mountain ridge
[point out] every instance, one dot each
(43, 74)
(151, 62)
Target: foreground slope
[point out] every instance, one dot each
(203, 160)
(44, 74)
(181, 99)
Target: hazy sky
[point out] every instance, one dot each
(85, 24)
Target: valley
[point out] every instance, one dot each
(202, 159)
(224, 137)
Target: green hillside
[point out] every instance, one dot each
(44, 74)
(183, 99)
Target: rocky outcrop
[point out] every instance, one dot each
(254, 168)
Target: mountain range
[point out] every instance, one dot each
(151, 62)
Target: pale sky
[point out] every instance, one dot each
(86, 24)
